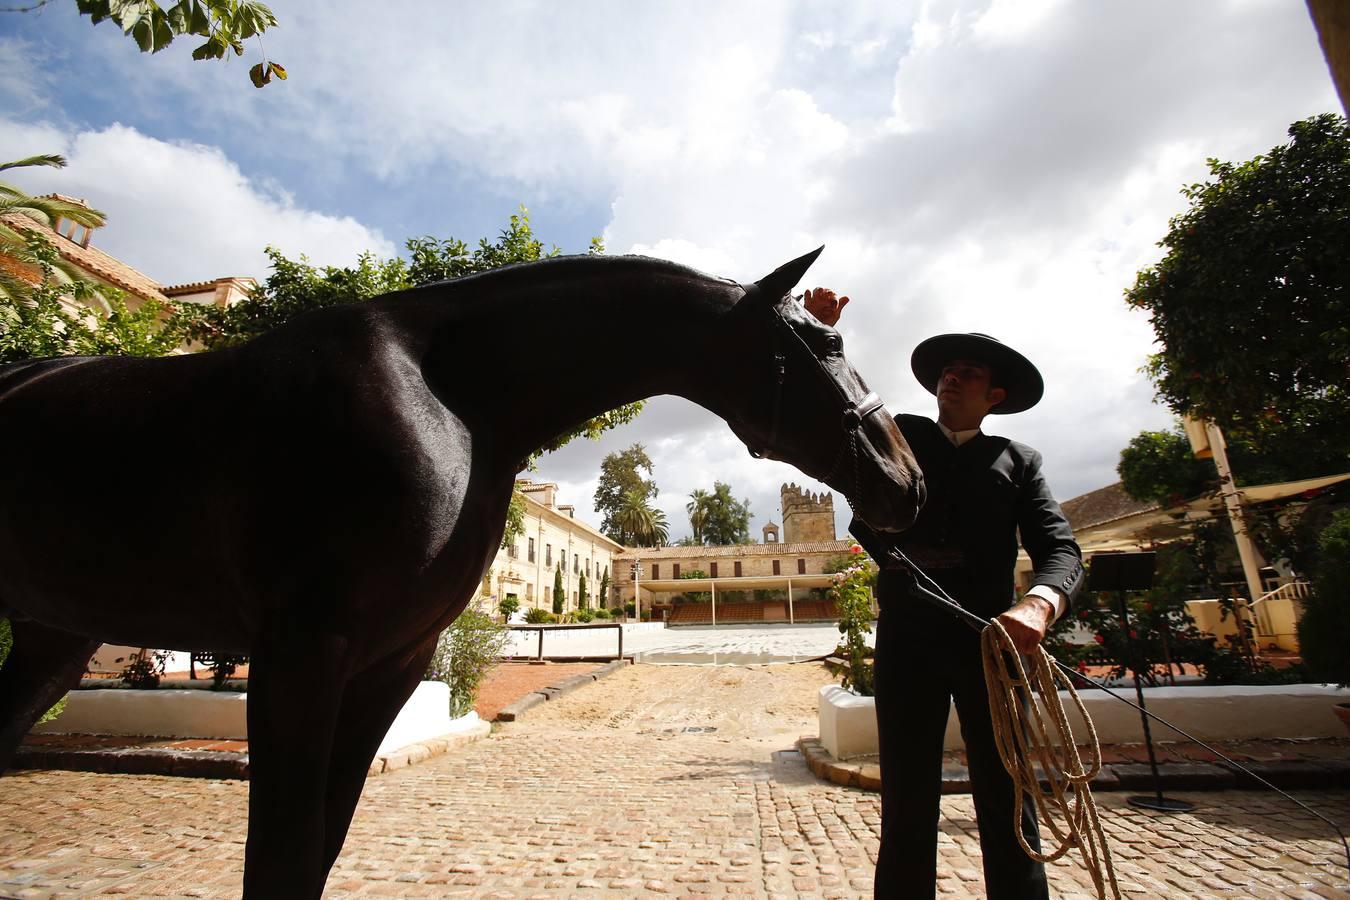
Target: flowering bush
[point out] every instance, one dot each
(854, 576)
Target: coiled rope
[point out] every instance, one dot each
(1030, 727)
(934, 593)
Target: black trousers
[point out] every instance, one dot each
(925, 658)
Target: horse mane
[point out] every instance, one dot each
(583, 264)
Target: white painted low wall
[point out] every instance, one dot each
(222, 714)
(1211, 713)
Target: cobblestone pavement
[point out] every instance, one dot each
(658, 781)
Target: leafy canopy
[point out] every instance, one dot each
(225, 24)
(1159, 466)
(1250, 303)
(719, 519)
(620, 475)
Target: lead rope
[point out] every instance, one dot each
(1020, 704)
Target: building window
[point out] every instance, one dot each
(777, 570)
(712, 570)
(738, 568)
(548, 554)
(676, 567)
(531, 549)
(529, 594)
(562, 559)
(576, 563)
(801, 567)
(512, 550)
(656, 571)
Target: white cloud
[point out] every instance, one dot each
(1002, 166)
(180, 211)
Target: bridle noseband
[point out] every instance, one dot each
(855, 411)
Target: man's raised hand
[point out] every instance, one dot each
(824, 305)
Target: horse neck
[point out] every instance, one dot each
(536, 356)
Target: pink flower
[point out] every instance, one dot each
(856, 548)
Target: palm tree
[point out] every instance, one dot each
(22, 269)
(697, 507)
(639, 522)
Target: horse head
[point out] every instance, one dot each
(809, 407)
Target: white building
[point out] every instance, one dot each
(553, 539)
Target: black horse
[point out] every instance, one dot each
(326, 498)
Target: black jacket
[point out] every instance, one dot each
(981, 497)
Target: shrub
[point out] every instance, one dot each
(143, 670)
(536, 616)
(1324, 630)
(601, 613)
(584, 615)
(464, 654)
(507, 607)
(853, 600)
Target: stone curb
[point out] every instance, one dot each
(1189, 776)
(513, 711)
(217, 763)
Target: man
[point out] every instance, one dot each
(983, 492)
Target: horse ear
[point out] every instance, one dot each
(784, 278)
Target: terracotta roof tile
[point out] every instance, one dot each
(1105, 504)
(741, 550)
(95, 262)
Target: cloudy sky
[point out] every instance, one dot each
(1002, 166)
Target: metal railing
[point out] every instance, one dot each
(1294, 591)
(541, 629)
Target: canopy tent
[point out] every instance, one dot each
(786, 583)
(1165, 524)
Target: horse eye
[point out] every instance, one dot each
(834, 343)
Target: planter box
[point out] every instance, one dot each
(848, 725)
(212, 714)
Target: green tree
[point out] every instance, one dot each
(639, 523)
(21, 260)
(620, 474)
(583, 601)
(225, 24)
(1159, 466)
(1250, 303)
(727, 519)
(1324, 629)
(515, 517)
(508, 606)
(602, 596)
(697, 508)
(49, 307)
(559, 593)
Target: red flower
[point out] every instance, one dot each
(1133, 634)
(1099, 639)
(856, 548)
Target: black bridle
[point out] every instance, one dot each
(854, 414)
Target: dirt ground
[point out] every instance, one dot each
(509, 681)
(769, 705)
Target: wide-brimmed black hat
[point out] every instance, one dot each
(1012, 371)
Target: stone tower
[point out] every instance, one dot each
(806, 516)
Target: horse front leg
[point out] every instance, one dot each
(43, 665)
(370, 704)
(295, 694)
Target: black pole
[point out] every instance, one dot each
(1158, 801)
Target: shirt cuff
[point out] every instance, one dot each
(1051, 595)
